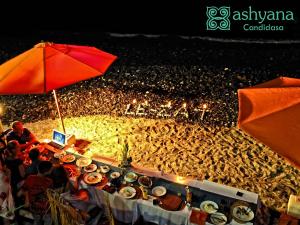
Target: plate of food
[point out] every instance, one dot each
(131, 177)
(104, 169)
(72, 170)
(68, 158)
(90, 168)
(218, 218)
(145, 181)
(83, 162)
(92, 178)
(209, 206)
(242, 213)
(127, 192)
(115, 175)
(159, 191)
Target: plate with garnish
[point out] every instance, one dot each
(218, 218)
(131, 177)
(68, 158)
(90, 168)
(159, 191)
(115, 175)
(127, 192)
(83, 162)
(145, 181)
(242, 213)
(209, 206)
(92, 178)
(104, 169)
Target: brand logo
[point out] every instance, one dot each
(218, 18)
(254, 20)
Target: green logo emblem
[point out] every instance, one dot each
(218, 18)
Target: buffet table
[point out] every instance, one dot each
(129, 210)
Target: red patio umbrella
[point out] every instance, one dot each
(270, 112)
(48, 66)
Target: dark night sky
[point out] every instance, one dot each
(144, 16)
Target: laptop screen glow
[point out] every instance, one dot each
(58, 137)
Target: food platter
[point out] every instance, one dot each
(242, 213)
(218, 218)
(92, 178)
(104, 169)
(83, 162)
(90, 168)
(115, 175)
(209, 206)
(72, 170)
(159, 191)
(131, 177)
(145, 181)
(68, 158)
(127, 192)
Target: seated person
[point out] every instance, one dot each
(34, 189)
(22, 135)
(32, 169)
(15, 166)
(59, 177)
(3, 144)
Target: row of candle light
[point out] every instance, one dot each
(145, 103)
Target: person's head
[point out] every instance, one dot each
(44, 167)
(13, 147)
(34, 154)
(17, 126)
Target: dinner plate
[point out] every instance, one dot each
(92, 178)
(159, 191)
(243, 213)
(209, 206)
(68, 158)
(104, 169)
(114, 175)
(130, 177)
(145, 181)
(82, 162)
(127, 192)
(90, 168)
(218, 218)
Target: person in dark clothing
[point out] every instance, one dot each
(34, 189)
(15, 165)
(17, 173)
(32, 169)
(59, 177)
(24, 137)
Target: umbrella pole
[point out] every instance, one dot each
(57, 106)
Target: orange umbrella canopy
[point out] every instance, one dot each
(48, 66)
(270, 112)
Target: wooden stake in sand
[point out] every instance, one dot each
(203, 111)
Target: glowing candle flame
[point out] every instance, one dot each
(169, 104)
(180, 179)
(184, 105)
(134, 101)
(146, 102)
(204, 106)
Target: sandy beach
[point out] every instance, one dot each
(220, 154)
